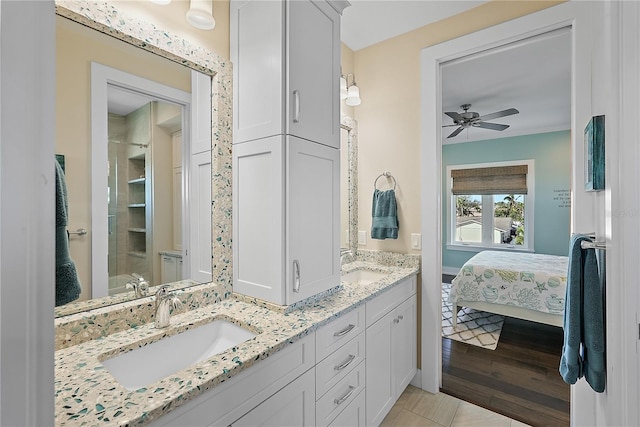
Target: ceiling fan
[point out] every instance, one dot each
(467, 119)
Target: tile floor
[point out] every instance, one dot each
(417, 408)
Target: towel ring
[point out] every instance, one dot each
(385, 174)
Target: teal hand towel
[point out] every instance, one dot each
(583, 347)
(384, 224)
(67, 283)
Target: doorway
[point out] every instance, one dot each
(564, 15)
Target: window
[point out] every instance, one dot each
(491, 206)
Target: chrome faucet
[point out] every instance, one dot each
(139, 285)
(344, 254)
(165, 300)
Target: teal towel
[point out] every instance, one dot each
(67, 283)
(583, 348)
(384, 224)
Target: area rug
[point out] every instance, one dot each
(474, 327)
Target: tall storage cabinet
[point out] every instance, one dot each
(286, 164)
(286, 69)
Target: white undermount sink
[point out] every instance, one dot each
(145, 365)
(362, 277)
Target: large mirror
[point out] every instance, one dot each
(129, 93)
(348, 184)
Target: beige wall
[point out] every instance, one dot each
(76, 47)
(388, 75)
(171, 17)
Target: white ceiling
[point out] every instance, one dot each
(533, 76)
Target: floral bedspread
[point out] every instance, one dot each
(533, 281)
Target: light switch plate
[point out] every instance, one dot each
(415, 241)
(362, 237)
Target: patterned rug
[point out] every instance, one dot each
(474, 327)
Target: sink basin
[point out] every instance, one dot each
(145, 365)
(363, 277)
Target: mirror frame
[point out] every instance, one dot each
(351, 126)
(108, 19)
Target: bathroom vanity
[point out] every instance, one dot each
(311, 365)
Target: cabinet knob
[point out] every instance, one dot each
(400, 317)
(396, 321)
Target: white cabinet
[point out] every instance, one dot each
(340, 370)
(170, 268)
(391, 352)
(286, 68)
(294, 405)
(286, 218)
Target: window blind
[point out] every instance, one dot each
(492, 180)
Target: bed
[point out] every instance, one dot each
(522, 285)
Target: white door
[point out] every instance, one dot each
(313, 40)
(313, 218)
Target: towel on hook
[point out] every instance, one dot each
(583, 349)
(67, 283)
(384, 223)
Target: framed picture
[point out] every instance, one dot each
(594, 154)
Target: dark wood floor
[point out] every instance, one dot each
(518, 379)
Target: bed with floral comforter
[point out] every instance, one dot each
(523, 285)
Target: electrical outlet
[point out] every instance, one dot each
(362, 237)
(415, 241)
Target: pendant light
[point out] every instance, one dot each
(353, 92)
(200, 14)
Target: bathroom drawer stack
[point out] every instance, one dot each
(340, 371)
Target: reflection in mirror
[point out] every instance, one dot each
(349, 184)
(151, 188)
(144, 192)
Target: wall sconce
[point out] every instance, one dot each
(350, 93)
(200, 14)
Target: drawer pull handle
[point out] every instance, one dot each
(296, 106)
(345, 363)
(346, 396)
(345, 331)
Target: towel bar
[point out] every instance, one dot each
(79, 232)
(593, 245)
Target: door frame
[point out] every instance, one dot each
(102, 77)
(576, 15)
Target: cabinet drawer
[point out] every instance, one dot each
(334, 335)
(388, 300)
(340, 396)
(339, 363)
(353, 415)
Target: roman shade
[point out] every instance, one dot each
(491, 180)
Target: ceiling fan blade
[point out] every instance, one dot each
(492, 126)
(455, 116)
(446, 126)
(455, 132)
(502, 113)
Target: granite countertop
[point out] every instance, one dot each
(86, 394)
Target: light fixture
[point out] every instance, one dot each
(200, 14)
(343, 87)
(353, 91)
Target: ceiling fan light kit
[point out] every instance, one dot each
(468, 119)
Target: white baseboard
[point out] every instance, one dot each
(450, 270)
(417, 379)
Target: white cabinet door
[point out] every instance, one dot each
(286, 218)
(404, 344)
(380, 394)
(313, 218)
(286, 69)
(294, 405)
(391, 359)
(313, 40)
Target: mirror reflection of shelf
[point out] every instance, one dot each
(137, 205)
(137, 254)
(137, 181)
(138, 230)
